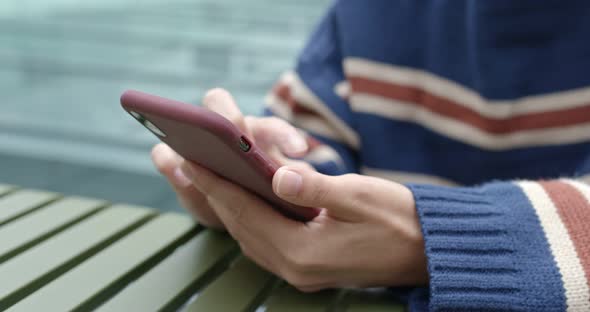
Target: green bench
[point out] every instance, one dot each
(70, 253)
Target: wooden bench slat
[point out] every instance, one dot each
(5, 188)
(165, 286)
(371, 301)
(83, 287)
(241, 288)
(30, 270)
(75, 254)
(287, 299)
(19, 203)
(21, 234)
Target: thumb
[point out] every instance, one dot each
(309, 188)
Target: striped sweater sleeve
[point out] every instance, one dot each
(306, 97)
(506, 246)
(501, 246)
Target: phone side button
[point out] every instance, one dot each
(265, 164)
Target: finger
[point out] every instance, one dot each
(261, 256)
(285, 161)
(168, 163)
(281, 160)
(241, 211)
(197, 205)
(310, 188)
(221, 102)
(272, 131)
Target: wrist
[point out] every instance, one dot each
(415, 265)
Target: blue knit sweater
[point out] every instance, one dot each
(483, 109)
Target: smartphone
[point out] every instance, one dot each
(209, 139)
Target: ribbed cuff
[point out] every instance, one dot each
(482, 246)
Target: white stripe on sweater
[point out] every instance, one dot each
(324, 153)
(562, 247)
(312, 123)
(464, 132)
(307, 99)
(455, 92)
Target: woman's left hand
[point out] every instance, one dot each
(367, 234)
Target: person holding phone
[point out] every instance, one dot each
(447, 144)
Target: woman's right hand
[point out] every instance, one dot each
(275, 136)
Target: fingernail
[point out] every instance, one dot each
(289, 182)
(180, 179)
(296, 144)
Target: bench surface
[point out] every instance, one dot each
(71, 253)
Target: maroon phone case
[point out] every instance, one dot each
(209, 139)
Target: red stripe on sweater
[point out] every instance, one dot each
(574, 211)
(312, 142)
(283, 92)
(448, 108)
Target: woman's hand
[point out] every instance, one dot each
(366, 235)
(276, 137)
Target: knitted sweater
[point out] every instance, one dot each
(483, 109)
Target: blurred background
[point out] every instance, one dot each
(64, 63)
